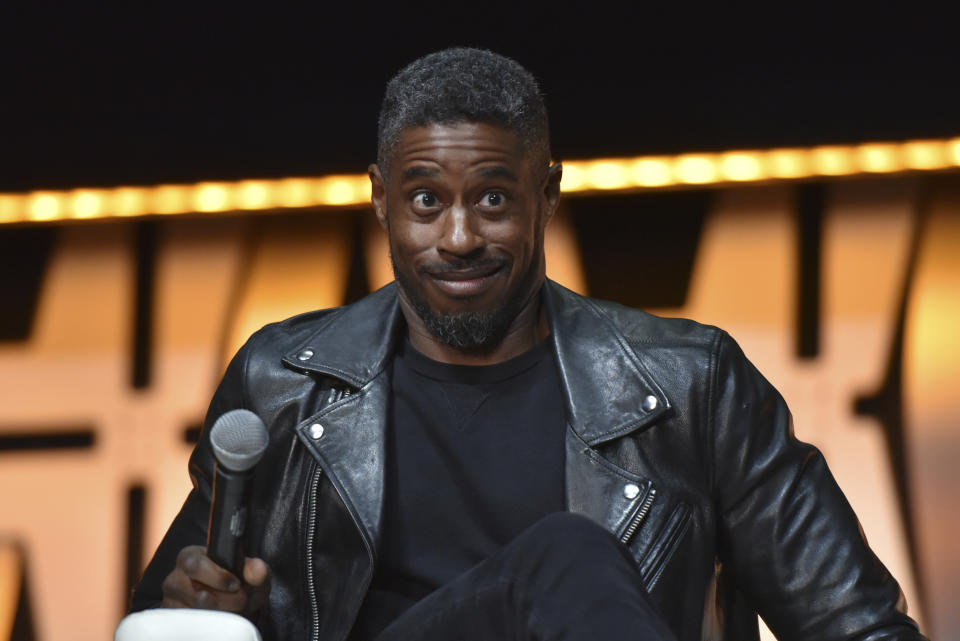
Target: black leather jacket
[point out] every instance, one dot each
(675, 443)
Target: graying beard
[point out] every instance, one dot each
(467, 331)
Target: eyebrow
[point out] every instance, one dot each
(419, 172)
(499, 171)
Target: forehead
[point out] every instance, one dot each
(459, 146)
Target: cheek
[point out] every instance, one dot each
(409, 241)
(522, 242)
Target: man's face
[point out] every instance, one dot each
(465, 209)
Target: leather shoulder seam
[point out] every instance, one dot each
(712, 393)
(244, 400)
(319, 316)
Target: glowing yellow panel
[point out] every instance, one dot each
(925, 154)
(879, 158)
(170, 199)
(788, 163)
(361, 189)
(12, 208)
(211, 197)
(652, 172)
(45, 206)
(832, 160)
(741, 166)
(295, 192)
(129, 201)
(87, 203)
(695, 169)
(253, 194)
(607, 174)
(343, 190)
(953, 151)
(574, 176)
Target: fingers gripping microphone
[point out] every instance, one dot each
(239, 439)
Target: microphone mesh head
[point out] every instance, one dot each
(239, 439)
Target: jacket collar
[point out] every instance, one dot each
(609, 392)
(356, 342)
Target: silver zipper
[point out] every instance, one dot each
(334, 395)
(311, 530)
(639, 517)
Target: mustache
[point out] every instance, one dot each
(464, 264)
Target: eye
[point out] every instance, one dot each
(492, 200)
(425, 202)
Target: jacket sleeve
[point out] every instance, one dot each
(789, 535)
(190, 525)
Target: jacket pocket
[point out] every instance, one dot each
(664, 546)
(636, 516)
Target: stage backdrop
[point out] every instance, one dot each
(845, 295)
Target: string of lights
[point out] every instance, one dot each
(579, 177)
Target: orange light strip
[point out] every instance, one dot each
(746, 166)
(579, 176)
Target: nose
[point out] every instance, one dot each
(459, 236)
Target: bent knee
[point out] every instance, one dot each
(572, 536)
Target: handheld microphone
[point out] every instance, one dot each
(239, 439)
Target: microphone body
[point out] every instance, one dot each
(228, 518)
(239, 439)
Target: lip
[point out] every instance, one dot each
(462, 284)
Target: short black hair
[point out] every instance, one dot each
(464, 85)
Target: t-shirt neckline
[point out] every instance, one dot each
(472, 374)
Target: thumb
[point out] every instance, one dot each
(255, 572)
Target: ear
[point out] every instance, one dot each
(551, 189)
(378, 194)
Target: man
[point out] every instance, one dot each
(435, 447)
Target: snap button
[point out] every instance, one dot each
(650, 403)
(631, 490)
(316, 431)
(305, 355)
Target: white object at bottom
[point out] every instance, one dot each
(182, 624)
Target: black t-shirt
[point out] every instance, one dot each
(475, 455)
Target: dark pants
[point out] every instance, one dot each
(565, 578)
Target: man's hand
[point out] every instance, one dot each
(198, 582)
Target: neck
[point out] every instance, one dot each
(527, 329)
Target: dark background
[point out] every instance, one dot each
(144, 94)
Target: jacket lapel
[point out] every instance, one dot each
(350, 446)
(609, 394)
(348, 436)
